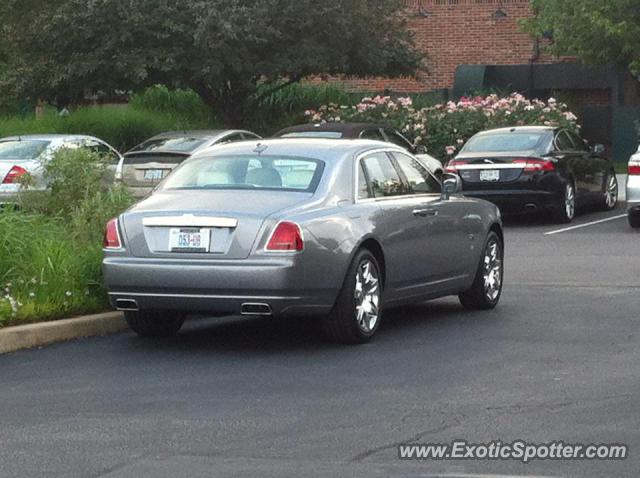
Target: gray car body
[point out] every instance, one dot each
(421, 257)
(133, 179)
(34, 166)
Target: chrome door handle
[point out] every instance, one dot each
(425, 212)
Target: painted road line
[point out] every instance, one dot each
(592, 223)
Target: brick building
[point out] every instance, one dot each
(478, 45)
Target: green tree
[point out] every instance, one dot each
(595, 31)
(222, 49)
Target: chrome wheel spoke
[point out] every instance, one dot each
(492, 270)
(367, 296)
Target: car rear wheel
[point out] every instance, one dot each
(610, 195)
(154, 323)
(357, 312)
(487, 286)
(566, 210)
(634, 219)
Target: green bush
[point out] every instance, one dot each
(181, 104)
(50, 247)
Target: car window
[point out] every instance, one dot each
(384, 180)
(247, 172)
(563, 142)
(179, 144)
(250, 136)
(372, 133)
(398, 139)
(578, 142)
(102, 149)
(418, 178)
(504, 142)
(232, 138)
(22, 149)
(363, 187)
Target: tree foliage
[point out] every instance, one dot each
(595, 31)
(222, 49)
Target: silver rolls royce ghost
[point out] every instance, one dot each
(342, 230)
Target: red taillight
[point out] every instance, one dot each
(634, 168)
(286, 237)
(452, 166)
(14, 174)
(536, 165)
(112, 236)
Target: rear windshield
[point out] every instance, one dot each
(504, 142)
(179, 145)
(22, 149)
(313, 134)
(247, 172)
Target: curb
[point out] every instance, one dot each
(45, 333)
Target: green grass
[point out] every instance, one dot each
(621, 168)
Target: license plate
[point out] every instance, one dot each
(490, 175)
(189, 240)
(153, 174)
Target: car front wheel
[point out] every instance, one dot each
(357, 312)
(566, 210)
(610, 195)
(486, 289)
(154, 323)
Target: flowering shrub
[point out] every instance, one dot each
(444, 128)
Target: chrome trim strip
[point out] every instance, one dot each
(201, 296)
(189, 220)
(463, 167)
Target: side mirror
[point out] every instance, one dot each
(598, 149)
(421, 149)
(452, 184)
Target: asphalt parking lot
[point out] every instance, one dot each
(558, 360)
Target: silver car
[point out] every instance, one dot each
(147, 164)
(633, 190)
(21, 155)
(336, 229)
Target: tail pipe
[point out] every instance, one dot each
(127, 305)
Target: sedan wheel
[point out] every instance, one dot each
(487, 286)
(610, 193)
(357, 312)
(567, 210)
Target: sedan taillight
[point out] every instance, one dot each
(112, 236)
(14, 175)
(535, 165)
(634, 167)
(286, 237)
(452, 166)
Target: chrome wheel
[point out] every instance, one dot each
(493, 270)
(367, 296)
(611, 192)
(570, 201)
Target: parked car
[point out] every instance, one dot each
(336, 229)
(633, 190)
(22, 155)
(536, 168)
(371, 131)
(147, 164)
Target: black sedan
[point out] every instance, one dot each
(536, 168)
(378, 132)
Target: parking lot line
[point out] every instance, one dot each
(592, 223)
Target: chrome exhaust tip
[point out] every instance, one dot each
(250, 308)
(127, 305)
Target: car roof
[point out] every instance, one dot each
(204, 134)
(520, 129)
(48, 137)
(347, 129)
(315, 148)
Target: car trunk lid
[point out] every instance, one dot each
(231, 220)
(490, 170)
(147, 169)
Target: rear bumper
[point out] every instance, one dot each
(217, 287)
(517, 201)
(633, 191)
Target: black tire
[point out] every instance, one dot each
(563, 213)
(154, 323)
(610, 193)
(478, 297)
(342, 324)
(634, 219)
